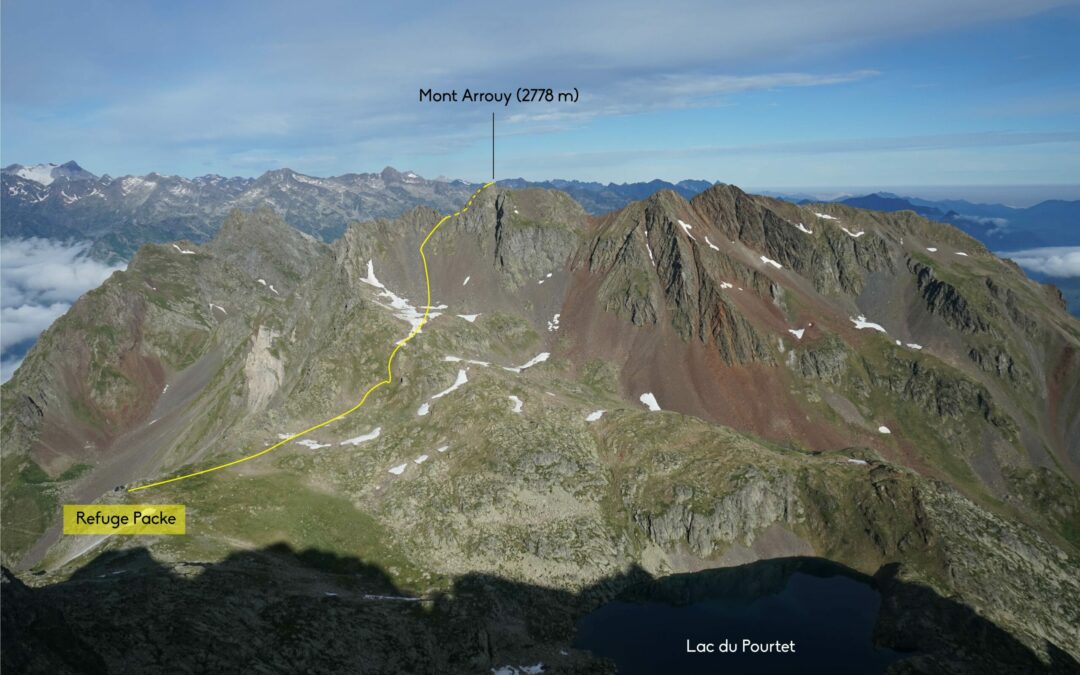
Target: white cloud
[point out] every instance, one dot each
(18, 324)
(1056, 261)
(39, 279)
(39, 271)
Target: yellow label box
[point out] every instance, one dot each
(124, 519)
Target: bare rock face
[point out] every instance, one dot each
(757, 501)
(827, 361)
(531, 244)
(946, 301)
(263, 370)
(651, 266)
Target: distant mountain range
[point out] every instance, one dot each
(118, 215)
(1050, 223)
(121, 214)
(1053, 222)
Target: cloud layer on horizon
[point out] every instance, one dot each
(1055, 261)
(39, 280)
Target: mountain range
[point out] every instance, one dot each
(120, 214)
(1003, 228)
(597, 400)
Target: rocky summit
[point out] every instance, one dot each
(594, 402)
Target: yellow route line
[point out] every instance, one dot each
(389, 365)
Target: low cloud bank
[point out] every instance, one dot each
(1056, 261)
(39, 279)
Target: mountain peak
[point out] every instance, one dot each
(45, 174)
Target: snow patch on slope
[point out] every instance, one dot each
(363, 438)
(650, 401)
(462, 378)
(861, 323)
(539, 358)
(686, 228)
(39, 173)
(401, 307)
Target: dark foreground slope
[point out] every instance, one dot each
(873, 389)
(278, 610)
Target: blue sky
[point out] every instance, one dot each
(825, 94)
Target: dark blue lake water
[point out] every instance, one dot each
(830, 618)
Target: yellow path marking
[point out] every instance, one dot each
(389, 365)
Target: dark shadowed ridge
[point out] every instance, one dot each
(280, 610)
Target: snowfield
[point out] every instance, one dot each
(686, 228)
(861, 323)
(458, 359)
(363, 438)
(462, 378)
(539, 358)
(400, 306)
(39, 173)
(650, 401)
